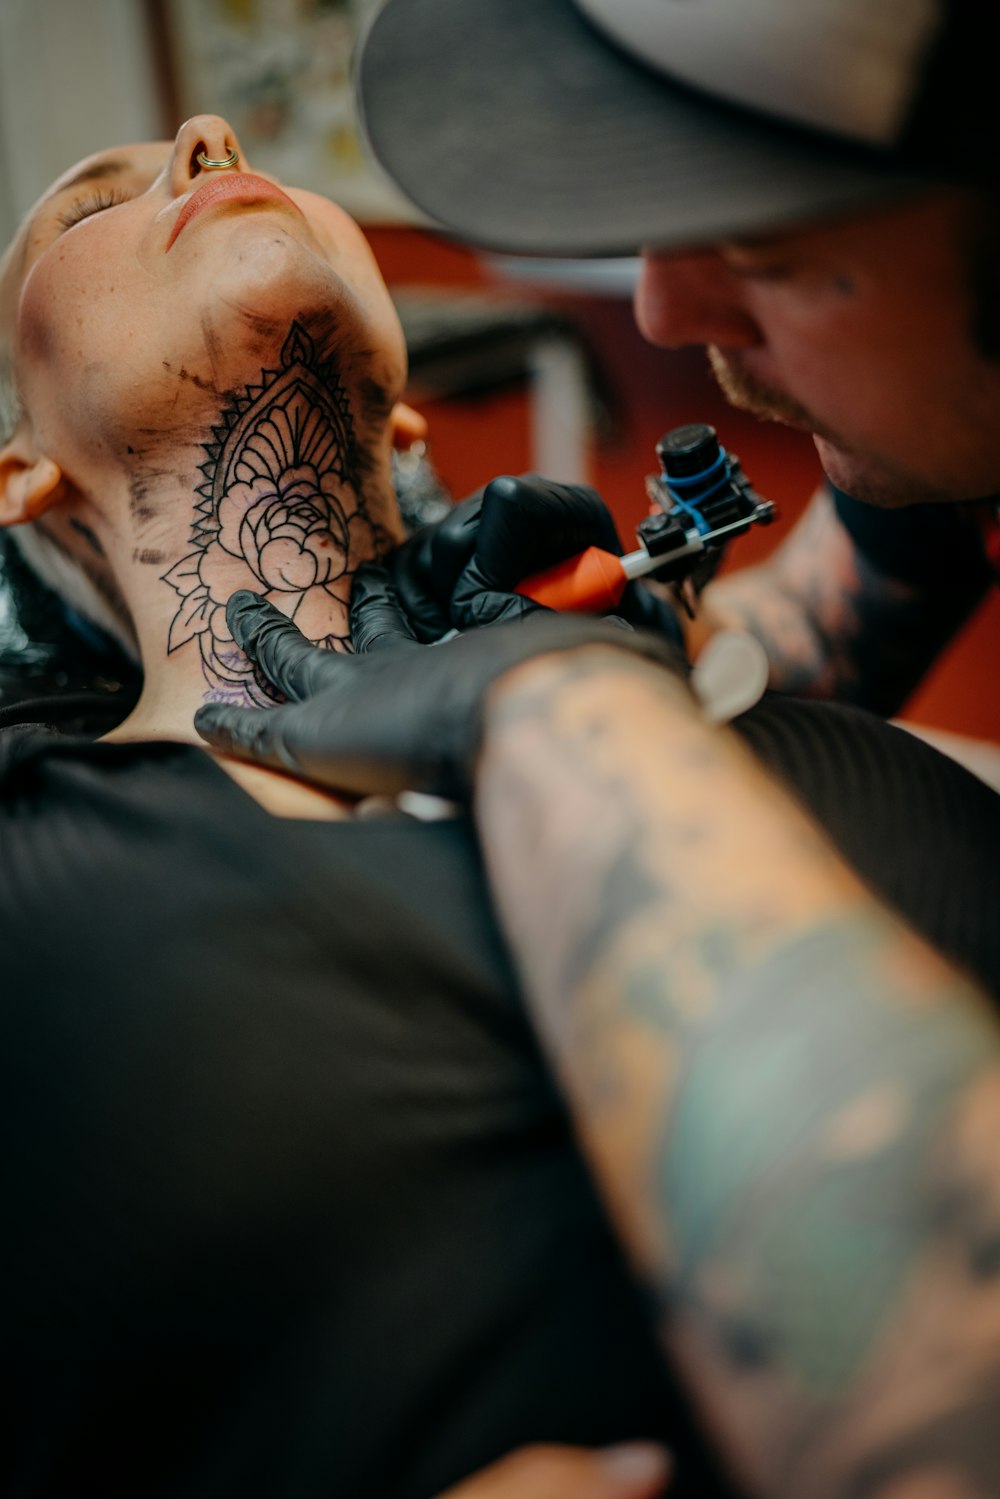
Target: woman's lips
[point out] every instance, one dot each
(233, 187)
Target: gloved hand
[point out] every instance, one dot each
(462, 572)
(403, 716)
(426, 567)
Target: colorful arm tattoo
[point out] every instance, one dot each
(790, 1103)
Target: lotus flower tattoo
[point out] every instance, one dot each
(280, 513)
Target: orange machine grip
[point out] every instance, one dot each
(592, 582)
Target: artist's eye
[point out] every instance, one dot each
(93, 203)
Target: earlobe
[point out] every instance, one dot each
(406, 425)
(27, 487)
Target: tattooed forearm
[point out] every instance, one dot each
(789, 1101)
(833, 625)
(281, 511)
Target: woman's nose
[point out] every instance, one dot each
(207, 136)
(692, 298)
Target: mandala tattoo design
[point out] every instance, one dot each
(281, 513)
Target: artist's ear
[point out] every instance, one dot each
(29, 484)
(406, 425)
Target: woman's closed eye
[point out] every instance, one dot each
(92, 203)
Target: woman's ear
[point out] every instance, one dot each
(28, 485)
(406, 425)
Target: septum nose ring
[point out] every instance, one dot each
(215, 164)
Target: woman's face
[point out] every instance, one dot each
(143, 290)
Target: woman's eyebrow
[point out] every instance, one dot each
(113, 167)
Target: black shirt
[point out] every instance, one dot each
(932, 545)
(292, 1207)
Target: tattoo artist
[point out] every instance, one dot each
(789, 1099)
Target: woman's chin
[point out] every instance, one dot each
(269, 280)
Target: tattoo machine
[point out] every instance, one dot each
(699, 501)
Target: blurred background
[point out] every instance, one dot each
(516, 365)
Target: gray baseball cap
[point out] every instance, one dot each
(593, 127)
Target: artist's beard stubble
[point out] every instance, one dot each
(864, 478)
(747, 393)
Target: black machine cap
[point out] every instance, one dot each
(688, 450)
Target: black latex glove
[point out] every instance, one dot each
(463, 571)
(425, 569)
(403, 716)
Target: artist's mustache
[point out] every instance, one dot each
(746, 392)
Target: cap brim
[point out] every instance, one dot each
(515, 125)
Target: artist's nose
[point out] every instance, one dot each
(693, 298)
(204, 138)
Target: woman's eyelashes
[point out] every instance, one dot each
(93, 203)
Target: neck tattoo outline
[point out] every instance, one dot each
(281, 512)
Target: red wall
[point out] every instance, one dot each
(652, 390)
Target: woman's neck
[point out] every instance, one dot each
(279, 496)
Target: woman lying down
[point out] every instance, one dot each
(294, 1208)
